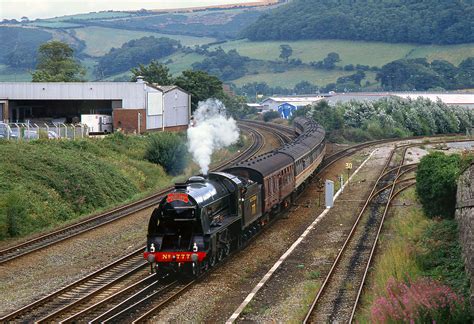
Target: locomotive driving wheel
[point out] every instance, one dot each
(223, 249)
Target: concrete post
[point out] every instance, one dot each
(329, 186)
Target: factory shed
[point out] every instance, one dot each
(273, 103)
(134, 106)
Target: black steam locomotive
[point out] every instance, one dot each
(201, 221)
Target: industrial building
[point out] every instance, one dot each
(288, 104)
(134, 106)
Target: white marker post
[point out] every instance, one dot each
(329, 193)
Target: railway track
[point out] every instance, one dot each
(107, 289)
(115, 214)
(87, 287)
(285, 134)
(338, 296)
(111, 288)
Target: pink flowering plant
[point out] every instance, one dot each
(421, 301)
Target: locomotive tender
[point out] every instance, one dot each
(201, 221)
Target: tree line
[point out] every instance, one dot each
(142, 50)
(391, 117)
(419, 74)
(18, 46)
(392, 21)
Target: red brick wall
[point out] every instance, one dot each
(127, 119)
(170, 129)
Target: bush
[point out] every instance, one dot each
(421, 301)
(436, 183)
(442, 258)
(269, 115)
(168, 150)
(15, 213)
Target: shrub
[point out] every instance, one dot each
(420, 301)
(442, 259)
(16, 212)
(269, 115)
(168, 150)
(436, 183)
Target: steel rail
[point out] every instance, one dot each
(372, 252)
(109, 300)
(257, 144)
(126, 306)
(346, 242)
(107, 270)
(370, 198)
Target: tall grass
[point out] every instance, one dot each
(410, 250)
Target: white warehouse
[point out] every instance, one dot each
(134, 106)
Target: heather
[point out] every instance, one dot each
(421, 301)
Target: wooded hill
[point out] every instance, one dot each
(393, 21)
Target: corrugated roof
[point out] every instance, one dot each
(301, 100)
(447, 98)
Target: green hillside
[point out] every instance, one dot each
(351, 52)
(96, 46)
(392, 21)
(50, 182)
(290, 78)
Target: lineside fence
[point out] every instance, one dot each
(30, 131)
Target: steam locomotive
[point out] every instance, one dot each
(202, 220)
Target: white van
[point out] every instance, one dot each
(98, 124)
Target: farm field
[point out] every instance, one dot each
(93, 15)
(182, 61)
(99, 40)
(292, 77)
(351, 52)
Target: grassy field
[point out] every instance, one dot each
(290, 78)
(100, 40)
(89, 64)
(54, 24)
(351, 52)
(49, 182)
(182, 61)
(93, 15)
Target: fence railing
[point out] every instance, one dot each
(31, 131)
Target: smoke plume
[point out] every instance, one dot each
(212, 131)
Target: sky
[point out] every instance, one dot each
(33, 9)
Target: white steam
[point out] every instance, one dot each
(212, 131)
